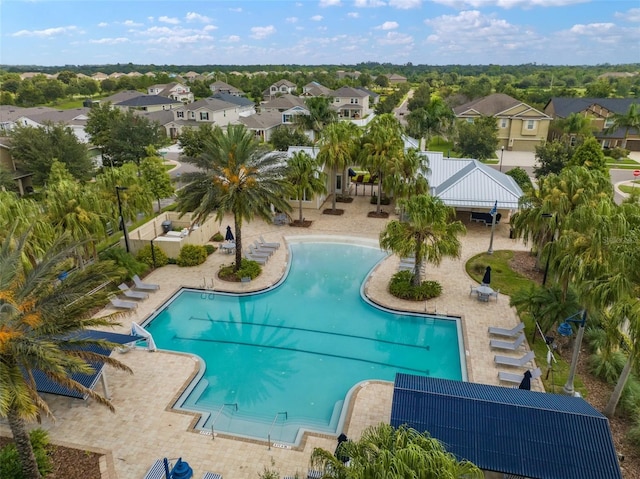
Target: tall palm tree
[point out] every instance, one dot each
(338, 148)
(430, 234)
(320, 116)
(385, 452)
(407, 174)
(39, 322)
(238, 175)
(382, 146)
(435, 118)
(306, 176)
(628, 121)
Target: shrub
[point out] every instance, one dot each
(10, 467)
(383, 201)
(608, 369)
(248, 269)
(210, 249)
(145, 256)
(191, 255)
(616, 153)
(217, 237)
(124, 260)
(400, 286)
(521, 177)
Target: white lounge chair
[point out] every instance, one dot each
(260, 249)
(123, 303)
(511, 346)
(266, 244)
(516, 378)
(262, 253)
(258, 259)
(129, 293)
(518, 362)
(144, 286)
(509, 333)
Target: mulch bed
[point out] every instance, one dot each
(301, 224)
(344, 199)
(374, 214)
(336, 212)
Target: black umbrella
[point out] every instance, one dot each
(526, 381)
(339, 453)
(229, 235)
(486, 279)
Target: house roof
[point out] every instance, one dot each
(498, 104)
(121, 96)
(220, 85)
(10, 113)
(236, 100)
(512, 431)
(283, 102)
(470, 183)
(563, 107)
(348, 92)
(161, 116)
(210, 103)
(262, 121)
(148, 100)
(316, 89)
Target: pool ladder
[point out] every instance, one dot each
(233, 404)
(286, 416)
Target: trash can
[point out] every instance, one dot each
(166, 226)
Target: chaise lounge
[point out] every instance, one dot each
(516, 378)
(518, 362)
(511, 346)
(509, 333)
(129, 293)
(139, 284)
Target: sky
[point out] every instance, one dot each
(319, 32)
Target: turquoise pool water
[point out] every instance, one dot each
(283, 361)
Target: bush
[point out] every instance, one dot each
(248, 269)
(400, 286)
(124, 260)
(383, 201)
(210, 249)
(191, 255)
(609, 369)
(616, 153)
(145, 256)
(10, 467)
(521, 177)
(217, 237)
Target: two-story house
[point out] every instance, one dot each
(351, 103)
(282, 87)
(149, 103)
(175, 91)
(313, 89)
(520, 126)
(222, 87)
(600, 111)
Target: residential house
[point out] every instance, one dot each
(314, 89)
(600, 111)
(191, 75)
(99, 76)
(283, 103)
(174, 90)
(75, 118)
(245, 106)
(374, 98)
(222, 87)
(30, 75)
(262, 124)
(395, 79)
(148, 103)
(282, 87)
(520, 126)
(342, 74)
(351, 103)
(22, 179)
(121, 96)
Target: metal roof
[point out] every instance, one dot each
(507, 430)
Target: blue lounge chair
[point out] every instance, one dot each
(157, 471)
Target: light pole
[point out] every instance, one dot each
(565, 329)
(501, 155)
(122, 221)
(555, 227)
(493, 213)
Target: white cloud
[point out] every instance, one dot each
(353, 15)
(110, 41)
(405, 4)
(196, 17)
(369, 3)
(169, 20)
(631, 15)
(388, 26)
(209, 28)
(592, 29)
(291, 19)
(262, 32)
(151, 19)
(131, 23)
(317, 18)
(396, 38)
(330, 3)
(236, 10)
(47, 33)
(103, 24)
(506, 4)
(233, 39)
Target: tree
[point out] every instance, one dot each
(385, 452)
(36, 149)
(320, 115)
(478, 139)
(156, 176)
(552, 157)
(430, 233)
(421, 97)
(590, 155)
(628, 121)
(382, 81)
(192, 140)
(521, 177)
(433, 119)
(40, 319)
(306, 176)
(237, 175)
(283, 137)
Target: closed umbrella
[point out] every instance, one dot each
(526, 381)
(486, 279)
(229, 235)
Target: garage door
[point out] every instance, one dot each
(633, 145)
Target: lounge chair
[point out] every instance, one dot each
(129, 293)
(144, 286)
(156, 471)
(258, 252)
(123, 303)
(511, 346)
(509, 333)
(211, 475)
(266, 244)
(518, 362)
(516, 378)
(261, 249)
(258, 259)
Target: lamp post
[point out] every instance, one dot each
(565, 329)
(122, 221)
(555, 227)
(501, 155)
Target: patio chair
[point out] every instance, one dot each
(511, 346)
(129, 293)
(122, 303)
(266, 244)
(516, 378)
(509, 333)
(144, 286)
(472, 290)
(517, 362)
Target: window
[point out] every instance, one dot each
(531, 124)
(503, 123)
(354, 101)
(608, 123)
(179, 114)
(204, 116)
(469, 120)
(306, 196)
(336, 100)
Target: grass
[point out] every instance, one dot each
(67, 105)
(508, 281)
(437, 143)
(629, 189)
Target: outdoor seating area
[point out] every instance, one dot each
(484, 293)
(260, 251)
(486, 218)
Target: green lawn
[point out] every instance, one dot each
(506, 280)
(629, 189)
(437, 143)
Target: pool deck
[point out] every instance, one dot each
(144, 428)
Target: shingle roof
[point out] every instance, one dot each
(489, 105)
(262, 121)
(512, 431)
(563, 107)
(148, 100)
(236, 100)
(348, 92)
(121, 96)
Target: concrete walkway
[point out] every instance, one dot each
(145, 428)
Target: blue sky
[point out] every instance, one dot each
(314, 32)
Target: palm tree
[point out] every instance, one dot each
(39, 322)
(237, 175)
(320, 116)
(430, 234)
(629, 121)
(382, 146)
(431, 120)
(338, 146)
(306, 176)
(407, 174)
(385, 452)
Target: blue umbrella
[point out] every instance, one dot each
(229, 235)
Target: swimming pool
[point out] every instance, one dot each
(283, 361)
